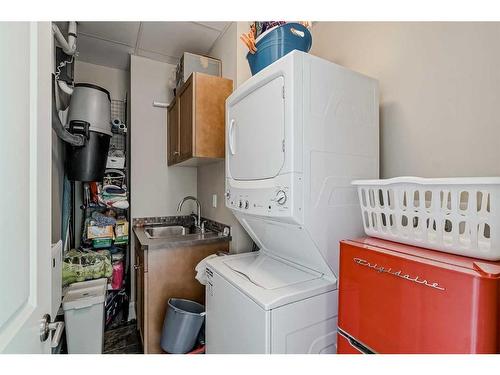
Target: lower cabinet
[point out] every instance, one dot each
(163, 274)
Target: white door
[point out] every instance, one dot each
(256, 133)
(25, 198)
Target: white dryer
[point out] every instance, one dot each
(297, 134)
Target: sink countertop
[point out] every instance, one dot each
(212, 236)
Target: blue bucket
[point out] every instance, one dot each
(277, 43)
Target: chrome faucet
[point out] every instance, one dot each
(198, 214)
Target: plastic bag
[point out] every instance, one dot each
(81, 265)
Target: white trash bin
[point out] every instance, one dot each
(83, 306)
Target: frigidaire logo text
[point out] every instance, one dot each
(399, 274)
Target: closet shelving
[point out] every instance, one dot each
(117, 301)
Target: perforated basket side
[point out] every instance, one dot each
(460, 219)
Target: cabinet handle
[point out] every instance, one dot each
(137, 266)
(176, 152)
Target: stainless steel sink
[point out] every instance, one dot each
(170, 231)
(165, 231)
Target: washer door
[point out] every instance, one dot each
(255, 133)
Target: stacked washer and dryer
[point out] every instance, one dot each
(297, 134)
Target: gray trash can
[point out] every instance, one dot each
(182, 325)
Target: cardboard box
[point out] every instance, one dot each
(94, 231)
(121, 232)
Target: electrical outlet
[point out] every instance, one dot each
(214, 200)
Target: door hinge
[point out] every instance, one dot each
(283, 92)
(283, 145)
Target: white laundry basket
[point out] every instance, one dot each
(83, 306)
(454, 215)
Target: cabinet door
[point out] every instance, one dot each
(173, 133)
(210, 98)
(186, 121)
(170, 273)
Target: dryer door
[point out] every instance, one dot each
(255, 133)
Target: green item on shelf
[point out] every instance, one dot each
(100, 243)
(81, 265)
(122, 240)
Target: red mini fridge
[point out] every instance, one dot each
(396, 298)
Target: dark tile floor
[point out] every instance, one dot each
(124, 339)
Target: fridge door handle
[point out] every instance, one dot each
(355, 343)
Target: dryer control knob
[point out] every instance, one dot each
(247, 204)
(240, 204)
(281, 197)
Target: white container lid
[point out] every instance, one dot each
(85, 294)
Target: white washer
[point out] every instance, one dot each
(260, 304)
(297, 134)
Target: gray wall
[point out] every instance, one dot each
(439, 91)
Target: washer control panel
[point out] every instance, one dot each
(274, 198)
(281, 197)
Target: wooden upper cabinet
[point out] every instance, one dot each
(173, 148)
(196, 134)
(186, 109)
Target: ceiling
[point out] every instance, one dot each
(111, 43)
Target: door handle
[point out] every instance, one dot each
(58, 328)
(231, 137)
(46, 326)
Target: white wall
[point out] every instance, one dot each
(224, 49)
(116, 81)
(242, 67)
(439, 87)
(155, 188)
(211, 176)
